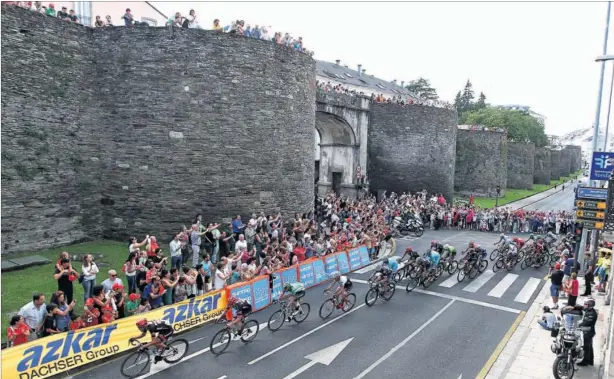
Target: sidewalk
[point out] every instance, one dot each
(527, 354)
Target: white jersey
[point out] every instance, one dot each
(343, 279)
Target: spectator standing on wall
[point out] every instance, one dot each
(108, 21)
(216, 25)
(50, 10)
(63, 14)
(193, 20)
(73, 16)
(34, 314)
(99, 23)
(128, 18)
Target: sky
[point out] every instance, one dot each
(536, 54)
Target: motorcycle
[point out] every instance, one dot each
(413, 225)
(567, 345)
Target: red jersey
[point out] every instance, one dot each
(77, 324)
(91, 317)
(18, 332)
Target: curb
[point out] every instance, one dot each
(535, 194)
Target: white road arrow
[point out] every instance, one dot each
(325, 356)
(460, 376)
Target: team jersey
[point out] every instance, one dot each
(158, 327)
(435, 257)
(452, 250)
(296, 287)
(393, 265)
(343, 279)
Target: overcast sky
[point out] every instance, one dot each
(536, 54)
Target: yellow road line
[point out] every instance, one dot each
(495, 354)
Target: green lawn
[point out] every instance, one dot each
(18, 286)
(517, 194)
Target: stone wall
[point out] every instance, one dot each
(412, 148)
(565, 162)
(520, 165)
(481, 162)
(555, 157)
(51, 138)
(576, 157)
(541, 172)
(182, 122)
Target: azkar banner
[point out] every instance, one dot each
(53, 355)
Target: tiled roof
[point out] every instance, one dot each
(349, 76)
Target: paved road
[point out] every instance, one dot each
(553, 199)
(460, 324)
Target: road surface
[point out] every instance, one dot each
(553, 199)
(450, 329)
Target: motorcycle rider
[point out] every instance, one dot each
(589, 320)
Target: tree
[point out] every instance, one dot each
(458, 101)
(422, 89)
(467, 97)
(481, 103)
(520, 126)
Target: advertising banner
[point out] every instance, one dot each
(330, 262)
(261, 292)
(242, 291)
(342, 262)
(289, 275)
(602, 166)
(319, 271)
(355, 262)
(52, 355)
(364, 255)
(276, 286)
(306, 275)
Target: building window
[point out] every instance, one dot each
(380, 86)
(348, 75)
(150, 21)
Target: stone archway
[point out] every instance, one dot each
(338, 151)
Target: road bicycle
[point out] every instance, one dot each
(379, 289)
(136, 363)
(286, 314)
(221, 340)
(449, 264)
(507, 261)
(329, 305)
(471, 269)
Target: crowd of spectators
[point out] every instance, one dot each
(329, 87)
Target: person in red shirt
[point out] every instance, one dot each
(299, 251)
(151, 248)
(76, 322)
(572, 289)
(18, 331)
(90, 313)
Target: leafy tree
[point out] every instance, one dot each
(520, 126)
(481, 103)
(422, 89)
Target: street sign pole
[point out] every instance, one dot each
(582, 247)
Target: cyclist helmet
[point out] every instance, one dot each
(434, 243)
(471, 244)
(232, 300)
(446, 247)
(532, 236)
(141, 324)
(335, 275)
(287, 287)
(501, 235)
(409, 249)
(385, 261)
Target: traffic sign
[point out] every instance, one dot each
(591, 224)
(591, 204)
(591, 193)
(582, 214)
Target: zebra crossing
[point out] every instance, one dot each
(523, 296)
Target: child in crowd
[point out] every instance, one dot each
(91, 314)
(132, 304)
(58, 264)
(18, 331)
(144, 306)
(76, 322)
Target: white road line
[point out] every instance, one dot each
(452, 297)
(476, 284)
(161, 366)
(196, 340)
(404, 342)
(454, 236)
(450, 282)
(306, 334)
(503, 285)
(222, 377)
(525, 294)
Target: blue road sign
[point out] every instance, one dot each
(592, 193)
(602, 166)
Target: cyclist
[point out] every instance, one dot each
(160, 333)
(448, 251)
(435, 245)
(392, 264)
(385, 271)
(342, 290)
(411, 253)
(295, 292)
(433, 258)
(242, 307)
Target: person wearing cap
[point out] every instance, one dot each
(91, 314)
(588, 322)
(50, 10)
(108, 284)
(132, 304)
(556, 279)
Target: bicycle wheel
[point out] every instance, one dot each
(494, 254)
(461, 274)
(387, 295)
(397, 277)
(302, 314)
(498, 265)
(473, 272)
(419, 231)
(411, 284)
(511, 264)
(220, 341)
(178, 348)
(250, 330)
(349, 303)
(327, 308)
(483, 265)
(276, 320)
(428, 281)
(438, 272)
(452, 267)
(371, 296)
(415, 272)
(135, 364)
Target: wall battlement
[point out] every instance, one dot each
(116, 131)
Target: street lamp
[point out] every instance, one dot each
(603, 58)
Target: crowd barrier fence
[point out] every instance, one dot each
(45, 357)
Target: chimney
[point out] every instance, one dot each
(346, 66)
(394, 82)
(364, 70)
(403, 83)
(338, 61)
(359, 69)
